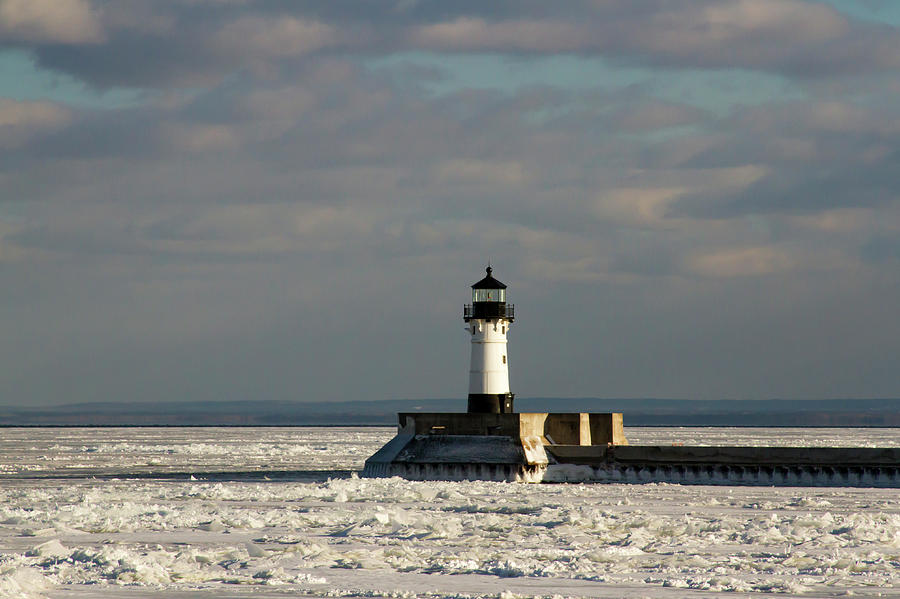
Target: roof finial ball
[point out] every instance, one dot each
(488, 319)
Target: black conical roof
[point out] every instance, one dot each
(489, 282)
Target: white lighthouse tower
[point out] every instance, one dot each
(488, 319)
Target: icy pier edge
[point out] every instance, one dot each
(501, 447)
(583, 447)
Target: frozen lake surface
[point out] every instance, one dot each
(278, 512)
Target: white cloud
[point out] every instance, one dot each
(481, 171)
(9, 251)
(50, 21)
(782, 35)
(20, 120)
(269, 37)
(656, 115)
(646, 202)
(31, 114)
(636, 205)
(202, 137)
(771, 259)
(842, 221)
(740, 262)
(467, 33)
(803, 21)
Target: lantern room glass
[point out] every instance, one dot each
(489, 295)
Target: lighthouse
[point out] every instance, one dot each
(488, 318)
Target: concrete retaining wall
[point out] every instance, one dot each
(536, 447)
(552, 429)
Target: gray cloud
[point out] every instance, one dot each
(275, 213)
(820, 156)
(184, 43)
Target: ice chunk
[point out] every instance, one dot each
(254, 550)
(23, 583)
(211, 526)
(52, 548)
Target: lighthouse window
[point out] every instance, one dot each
(489, 295)
(504, 359)
(504, 329)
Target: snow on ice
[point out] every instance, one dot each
(76, 521)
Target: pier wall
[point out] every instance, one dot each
(552, 429)
(582, 447)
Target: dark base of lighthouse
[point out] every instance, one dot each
(491, 403)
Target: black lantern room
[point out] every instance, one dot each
(489, 300)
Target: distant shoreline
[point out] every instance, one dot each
(652, 412)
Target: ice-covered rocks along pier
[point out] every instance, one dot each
(541, 447)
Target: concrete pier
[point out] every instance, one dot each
(487, 446)
(583, 447)
(769, 466)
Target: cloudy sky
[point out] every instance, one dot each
(243, 200)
